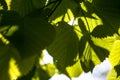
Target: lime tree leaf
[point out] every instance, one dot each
(112, 75)
(23, 7)
(109, 12)
(100, 52)
(41, 74)
(75, 70)
(65, 46)
(3, 4)
(102, 31)
(29, 76)
(82, 45)
(117, 69)
(114, 54)
(39, 3)
(6, 53)
(82, 27)
(87, 65)
(10, 18)
(63, 7)
(35, 35)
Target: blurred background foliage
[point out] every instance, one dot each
(78, 34)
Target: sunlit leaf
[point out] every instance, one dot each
(115, 53)
(63, 7)
(74, 70)
(100, 52)
(112, 75)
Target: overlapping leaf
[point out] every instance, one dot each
(102, 31)
(82, 45)
(63, 7)
(100, 52)
(87, 65)
(117, 69)
(24, 7)
(65, 46)
(33, 36)
(109, 12)
(6, 53)
(112, 75)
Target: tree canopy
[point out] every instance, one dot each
(78, 34)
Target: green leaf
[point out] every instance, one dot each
(42, 74)
(115, 53)
(10, 18)
(117, 69)
(81, 46)
(87, 65)
(112, 75)
(24, 7)
(74, 70)
(100, 52)
(102, 31)
(63, 7)
(26, 65)
(109, 12)
(35, 35)
(7, 52)
(3, 4)
(65, 47)
(82, 27)
(29, 76)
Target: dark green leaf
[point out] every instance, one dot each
(109, 12)
(100, 52)
(4, 4)
(102, 31)
(87, 65)
(63, 7)
(29, 76)
(24, 7)
(82, 45)
(82, 27)
(6, 53)
(33, 36)
(42, 74)
(65, 47)
(10, 18)
(117, 69)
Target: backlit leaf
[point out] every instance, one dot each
(33, 36)
(82, 45)
(64, 48)
(100, 52)
(115, 53)
(102, 31)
